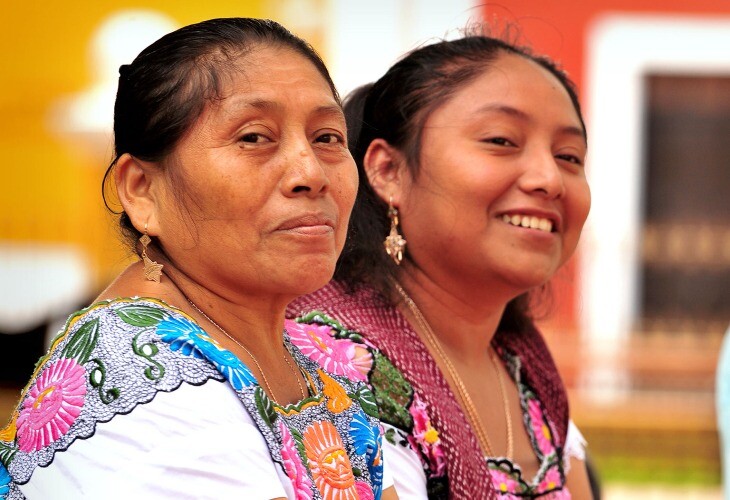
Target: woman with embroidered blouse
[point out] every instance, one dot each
(181, 381)
(470, 154)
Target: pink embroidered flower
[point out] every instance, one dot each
(293, 465)
(427, 438)
(503, 482)
(54, 402)
(336, 356)
(552, 480)
(364, 491)
(362, 360)
(540, 428)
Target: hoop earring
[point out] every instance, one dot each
(152, 270)
(394, 243)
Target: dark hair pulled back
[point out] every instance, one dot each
(395, 108)
(165, 89)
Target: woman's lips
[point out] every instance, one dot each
(309, 224)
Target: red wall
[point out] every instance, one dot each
(558, 29)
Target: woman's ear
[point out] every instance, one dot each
(134, 181)
(386, 169)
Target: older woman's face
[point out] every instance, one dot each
(502, 196)
(257, 195)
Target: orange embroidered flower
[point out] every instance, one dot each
(329, 462)
(337, 399)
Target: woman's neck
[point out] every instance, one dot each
(464, 319)
(252, 319)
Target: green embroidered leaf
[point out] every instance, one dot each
(393, 393)
(299, 442)
(367, 401)
(82, 342)
(355, 337)
(265, 407)
(6, 454)
(356, 472)
(340, 332)
(320, 317)
(390, 435)
(143, 316)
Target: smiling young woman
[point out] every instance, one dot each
(471, 151)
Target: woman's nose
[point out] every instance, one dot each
(543, 176)
(305, 174)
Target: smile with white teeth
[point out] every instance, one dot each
(529, 221)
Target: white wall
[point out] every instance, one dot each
(365, 38)
(621, 51)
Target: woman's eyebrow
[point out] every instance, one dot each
(521, 115)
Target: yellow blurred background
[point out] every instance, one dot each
(50, 190)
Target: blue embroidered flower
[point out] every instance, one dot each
(177, 332)
(188, 338)
(367, 440)
(4, 481)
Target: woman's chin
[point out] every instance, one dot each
(307, 278)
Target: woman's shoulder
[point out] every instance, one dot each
(108, 358)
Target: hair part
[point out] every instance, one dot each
(165, 89)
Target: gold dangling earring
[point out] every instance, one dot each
(394, 242)
(152, 270)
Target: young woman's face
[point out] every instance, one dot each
(257, 195)
(502, 195)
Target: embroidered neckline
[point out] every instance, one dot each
(507, 476)
(90, 365)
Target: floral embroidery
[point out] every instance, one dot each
(507, 480)
(393, 396)
(187, 337)
(4, 480)
(367, 439)
(337, 399)
(337, 356)
(549, 482)
(504, 478)
(393, 393)
(8, 433)
(364, 492)
(115, 355)
(426, 438)
(539, 428)
(293, 465)
(52, 406)
(362, 361)
(329, 462)
(553, 479)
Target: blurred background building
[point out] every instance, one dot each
(637, 316)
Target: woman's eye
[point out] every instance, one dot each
(329, 138)
(253, 138)
(500, 141)
(570, 159)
